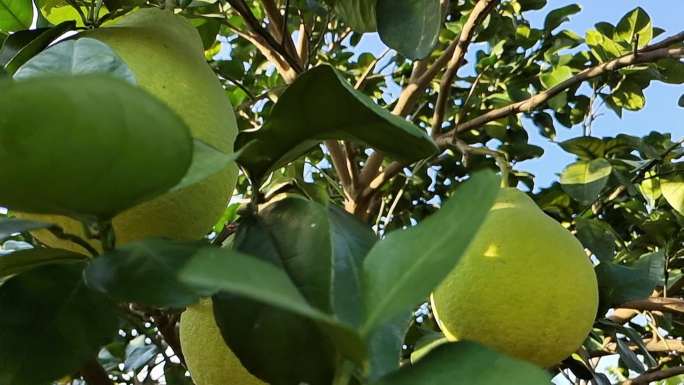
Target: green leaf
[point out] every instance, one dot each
(206, 161)
(32, 42)
(671, 70)
(672, 188)
(557, 75)
(629, 95)
(52, 321)
(321, 248)
(76, 57)
(597, 236)
(322, 105)
(559, 16)
(385, 346)
(402, 269)
(261, 281)
(358, 14)
(278, 346)
(89, 139)
(208, 28)
(680, 102)
(409, 26)
(146, 272)
(15, 15)
(620, 283)
(23, 260)
(585, 147)
(635, 25)
(8, 227)
(468, 363)
(584, 180)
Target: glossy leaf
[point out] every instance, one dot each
(409, 26)
(468, 363)
(404, 267)
(76, 57)
(31, 43)
(557, 75)
(146, 272)
(15, 15)
(585, 147)
(321, 248)
(52, 321)
(8, 227)
(584, 180)
(23, 260)
(598, 237)
(385, 346)
(89, 137)
(322, 105)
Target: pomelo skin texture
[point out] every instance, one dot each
(524, 287)
(209, 360)
(165, 53)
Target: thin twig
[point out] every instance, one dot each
(657, 375)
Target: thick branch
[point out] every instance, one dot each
(644, 56)
(652, 345)
(657, 375)
(481, 10)
(279, 27)
(665, 305)
(337, 154)
(94, 374)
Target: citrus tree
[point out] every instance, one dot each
(234, 192)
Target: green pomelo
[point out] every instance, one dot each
(165, 53)
(524, 287)
(209, 360)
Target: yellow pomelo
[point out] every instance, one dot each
(524, 287)
(209, 360)
(166, 55)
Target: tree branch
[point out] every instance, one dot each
(410, 94)
(665, 305)
(94, 374)
(337, 154)
(479, 12)
(657, 375)
(278, 28)
(643, 56)
(652, 345)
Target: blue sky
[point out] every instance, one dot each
(661, 112)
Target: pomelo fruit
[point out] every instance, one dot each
(165, 53)
(209, 360)
(524, 287)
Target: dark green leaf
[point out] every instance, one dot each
(8, 227)
(385, 346)
(403, 268)
(76, 57)
(278, 346)
(559, 16)
(409, 26)
(146, 272)
(51, 321)
(22, 260)
(680, 102)
(468, 363)
(38, 42)
(15, 15)
(629, 357)
(208, 28)
(585, 147)
(584, 180)
(322, 105)
(89, 134)
(598, 237)
(619, 283)
(206, 161)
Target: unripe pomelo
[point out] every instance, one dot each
(165, 53)
(524, 287)
(209, 360)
